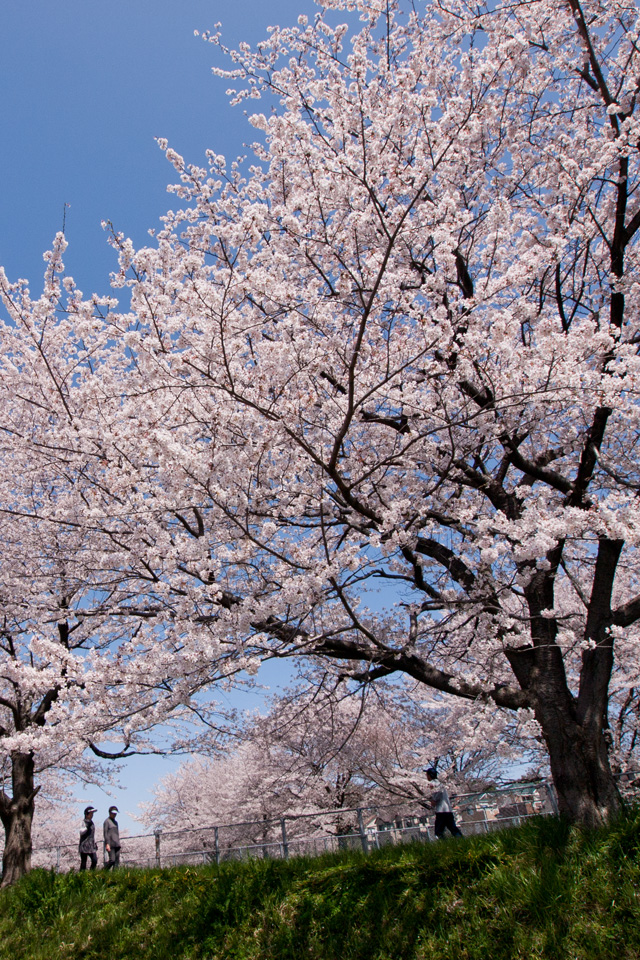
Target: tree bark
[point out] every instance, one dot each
(576, 743)
(587, 791)
(17, 817)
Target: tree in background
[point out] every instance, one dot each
(400, 352)
(82, 677)
(320, 750)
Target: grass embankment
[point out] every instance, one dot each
(545, 890)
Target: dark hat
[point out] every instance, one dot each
(88, 810)
(113, 810)
(431, 772)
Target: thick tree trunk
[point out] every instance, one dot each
(17, 817)
(587, 792)
(578, 755)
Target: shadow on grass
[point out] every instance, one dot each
(546, 890)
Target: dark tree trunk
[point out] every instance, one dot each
(16, 813)
(573, 726)
(584, 782)
(575, 739)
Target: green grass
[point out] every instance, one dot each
(546, 890)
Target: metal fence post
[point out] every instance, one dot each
(483, 805)
(285, 844)
(156, 833)
(552, 799)
(363, 835)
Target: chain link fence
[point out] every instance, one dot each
(361, 828)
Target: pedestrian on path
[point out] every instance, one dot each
(111, 833)
(439, 800)
(87, 848)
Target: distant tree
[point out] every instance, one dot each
(400, 351)
(319, 749)
(298, 759)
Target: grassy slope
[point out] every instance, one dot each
(546, 890)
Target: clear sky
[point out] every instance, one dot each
(86, 86)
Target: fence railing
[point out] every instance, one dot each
(366, 828)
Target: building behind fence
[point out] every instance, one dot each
(364, 828)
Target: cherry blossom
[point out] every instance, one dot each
(399, 350)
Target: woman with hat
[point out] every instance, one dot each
(111, 840)
(87, 848)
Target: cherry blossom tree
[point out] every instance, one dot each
(400, 351)
(57, 813)
(83, 676)
(321, 750)
(301, 757)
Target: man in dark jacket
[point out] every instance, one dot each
(111, 840)
(87, 847)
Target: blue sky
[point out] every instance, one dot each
(86, 87)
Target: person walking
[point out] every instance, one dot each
(111, 833)
(87, 848)
(444, 814)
